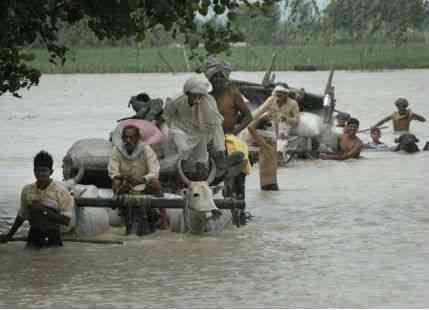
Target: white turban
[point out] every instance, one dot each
(197, 85)
(281, 89)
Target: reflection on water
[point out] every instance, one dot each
(338, 234)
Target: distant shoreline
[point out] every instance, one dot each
(364, 57)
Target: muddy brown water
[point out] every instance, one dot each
(337, 234)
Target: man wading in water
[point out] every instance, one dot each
(402, 118)
(46, 204)
(349, 145)
(235, 112)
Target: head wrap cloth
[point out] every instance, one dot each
(197, 85)
(215, 65)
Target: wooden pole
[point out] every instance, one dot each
(145, 201)
(80, 240)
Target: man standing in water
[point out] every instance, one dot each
(230, 102)
(402, 118)
(349, 145)
(46, 204)
(235, 112)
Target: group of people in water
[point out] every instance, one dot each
(401, 121)
(209, 119)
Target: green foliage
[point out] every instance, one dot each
(361, 19)
(251, 58)
(25, 22)
(21, 23)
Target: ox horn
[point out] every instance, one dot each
(212, 173)
(181, 173)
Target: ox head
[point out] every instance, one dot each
(407, 142)
(199, 199)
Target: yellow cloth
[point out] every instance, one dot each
(55, 195)
(234, 144)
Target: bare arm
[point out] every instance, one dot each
(258, 139)
(353, 153)
(418, 117)
(384, 120)
(244, 110)
(18, 222)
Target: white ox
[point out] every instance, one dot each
(200, 213)
(91, 221)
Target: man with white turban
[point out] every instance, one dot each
(280, 109)
(194, 121)
(284, 114)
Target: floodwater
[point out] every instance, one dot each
(337, 234)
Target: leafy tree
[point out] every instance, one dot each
(363, 18)
(23, 22)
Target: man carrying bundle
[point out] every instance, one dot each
(46, 204)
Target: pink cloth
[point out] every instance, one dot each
(149, 132)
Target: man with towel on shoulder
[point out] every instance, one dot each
(194, 121)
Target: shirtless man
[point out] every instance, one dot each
(402, 118)
(229, 100)
(349, 145)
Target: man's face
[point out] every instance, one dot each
(282, 98)
(402, 109)
(351, 129)
(42, 174)
(194, 99)
(130, 138)
(375, 135)
(218, 80)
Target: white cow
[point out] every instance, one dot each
(200, 213)
(91, 221)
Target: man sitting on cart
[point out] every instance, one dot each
(134, 167)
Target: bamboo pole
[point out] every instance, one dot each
(80, 240)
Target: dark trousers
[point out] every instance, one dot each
(44, 238)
